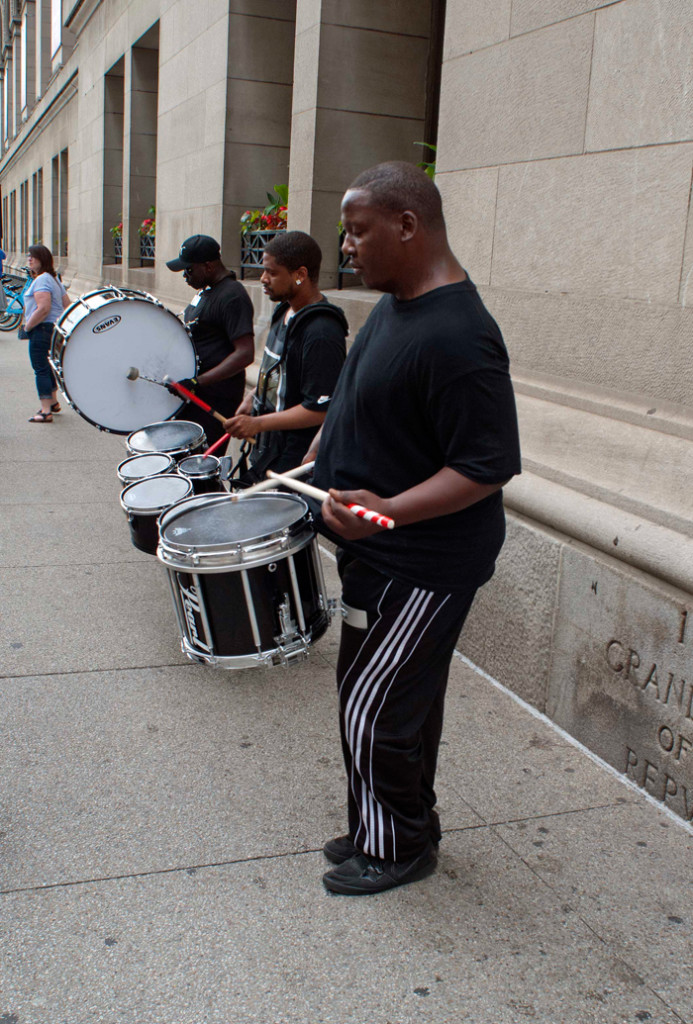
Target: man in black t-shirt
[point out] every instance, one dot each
(423, 429)
(220, 318)
(304, 353)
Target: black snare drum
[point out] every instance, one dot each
(246, 578)
(144, 502)
(177, 438)
(138, 467)
(204, 473)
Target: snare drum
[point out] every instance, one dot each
(204, 473)
(246, 578)
(137, 467)
(177, 438)
(143, 503)
(96, 342)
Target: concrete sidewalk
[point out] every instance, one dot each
(161, 823)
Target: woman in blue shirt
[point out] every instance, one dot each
(44, 303)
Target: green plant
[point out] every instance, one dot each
(429, 166)
(117, 230)
(272, 217)
(148, 225)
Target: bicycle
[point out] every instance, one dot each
(11, 316)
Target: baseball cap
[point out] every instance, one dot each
(196, 249)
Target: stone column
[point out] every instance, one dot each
(258, 112)
(360, 85)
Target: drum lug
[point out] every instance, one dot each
(333, 606)
(287, 624)
(286, 654)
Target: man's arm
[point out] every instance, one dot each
(295, 418)
(242, 356)
(312, 453)
(445, 492)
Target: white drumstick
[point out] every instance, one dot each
(315, 492)
(269, 485)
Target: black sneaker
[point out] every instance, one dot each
(362, 875)
(340, 849)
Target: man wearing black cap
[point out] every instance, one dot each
(220, 318)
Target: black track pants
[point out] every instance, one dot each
(394, 657)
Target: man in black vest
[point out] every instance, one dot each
(304, 353)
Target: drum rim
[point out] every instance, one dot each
(218, 557)
(146, 455)
(158, 509)
(214, 470)
(198, 441)
(120, 295)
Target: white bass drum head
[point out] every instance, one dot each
(96, 342)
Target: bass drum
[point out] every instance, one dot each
(99, 338)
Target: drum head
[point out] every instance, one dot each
(169, 436)
(155, 493)
(223, 521)
(139, 466)
(199, 465)
(106, 334)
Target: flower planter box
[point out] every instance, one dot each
(147, 250)
(118, 248)
(252, 247)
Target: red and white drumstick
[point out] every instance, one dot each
(185, 393)
(217, 444)
(315, 492)
(168, 383)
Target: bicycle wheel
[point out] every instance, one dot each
(10, 321)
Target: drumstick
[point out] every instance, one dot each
(217, 444)
(268, 484)
(168, 382)
(315, 492)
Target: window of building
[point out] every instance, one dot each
(59, 184)
(37, 207)
(13, 222)
(24, 216)
(114, 106)
(22, 50)
(62, 40)
(56, 26)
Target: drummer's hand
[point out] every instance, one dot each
(340, 520)
(242, 426)
(312, 453)
(190, 383)
(246, 406)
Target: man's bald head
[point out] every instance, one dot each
(397, 186)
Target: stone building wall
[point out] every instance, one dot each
(565, 156)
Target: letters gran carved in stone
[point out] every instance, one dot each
(663, 693)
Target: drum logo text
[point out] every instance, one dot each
(191, 611)
(106, 325)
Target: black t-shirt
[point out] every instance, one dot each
(217, 316)
(300, 366)
(426, 385)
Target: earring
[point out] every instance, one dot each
(298, 282)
